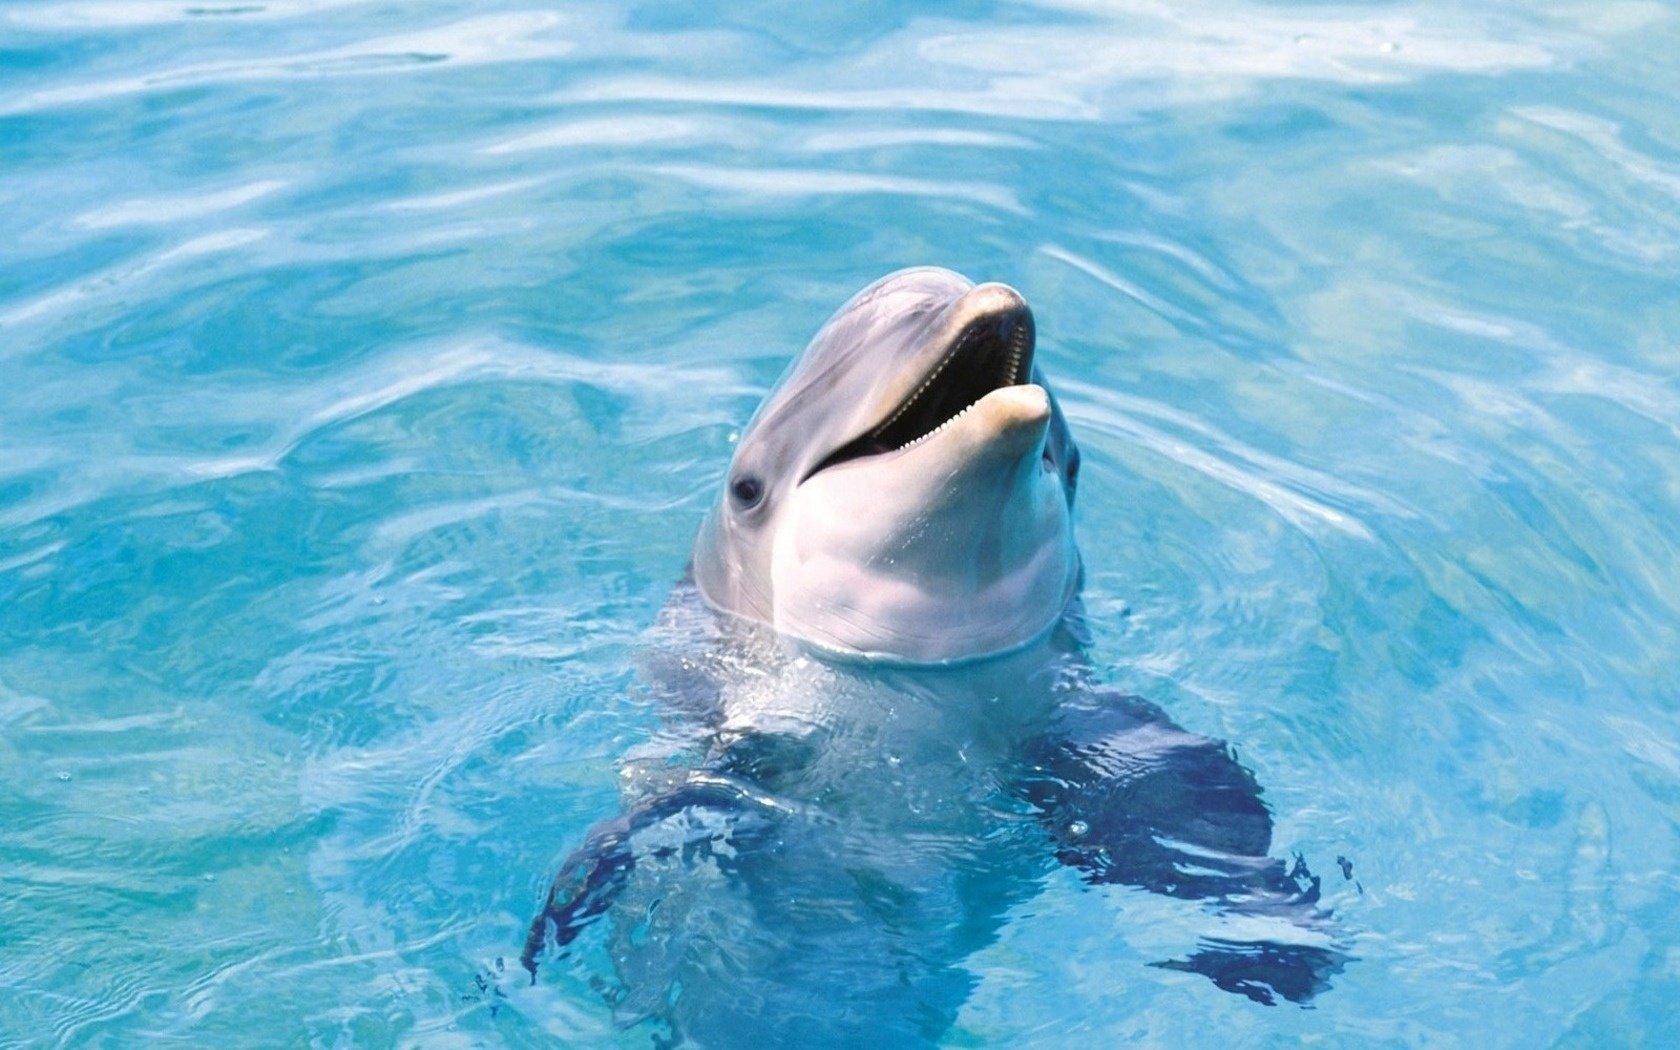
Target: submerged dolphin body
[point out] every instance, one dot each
(882, 731)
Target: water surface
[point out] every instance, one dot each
(367, 368)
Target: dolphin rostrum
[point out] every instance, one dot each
(881, 730)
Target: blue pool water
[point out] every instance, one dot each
(367, 368)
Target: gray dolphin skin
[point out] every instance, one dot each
(879, 732)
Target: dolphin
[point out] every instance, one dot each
(881, 729)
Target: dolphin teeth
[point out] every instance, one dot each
(952, 354)
(1018, 338)
(993, 350)
(917, 441)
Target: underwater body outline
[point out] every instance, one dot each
(882, 728)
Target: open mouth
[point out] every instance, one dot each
(992, 351)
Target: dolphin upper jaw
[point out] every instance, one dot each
(979, 341)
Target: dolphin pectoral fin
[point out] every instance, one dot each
(585, 888)
(1129, 798)
(1291, 956)
(596, 873)
(1263, 970)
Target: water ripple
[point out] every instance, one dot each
(165, 211)
(128, 277)
(518, 36)
(615, 131)
(125, 14)
(791, 182)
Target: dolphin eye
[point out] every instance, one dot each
(747, 492)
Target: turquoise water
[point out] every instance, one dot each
(368, 367)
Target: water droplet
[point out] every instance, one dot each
(1078, 829)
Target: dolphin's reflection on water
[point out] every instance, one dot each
(815, 843)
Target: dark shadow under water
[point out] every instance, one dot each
(811, 851)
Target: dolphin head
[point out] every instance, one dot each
(906, 490)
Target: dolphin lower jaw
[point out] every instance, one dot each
(957, 546)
